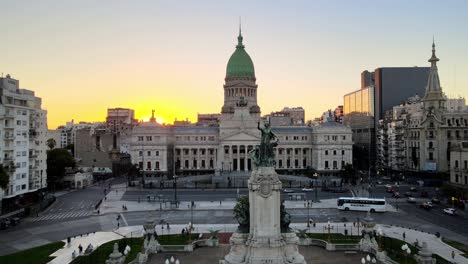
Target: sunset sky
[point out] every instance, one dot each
(83, 57)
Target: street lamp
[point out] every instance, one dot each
(175, 190)
(308, 204)
(406, 251)
(380, 234)
(316, 186)
(368, 259)
(189, 230)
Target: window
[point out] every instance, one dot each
(149, 138)
(334, 138)
(335, 164)
(343, 137)
(334, 152)
(456, 178)
(157, 152)
(18, 122)
(203, 164)
(148, 165)
(23, 175)
(18, 188)
(211, 151)
(148, 153)
(140, 153)
(456, 164)
(342, 152)
(431, 156)
(157, 165)
(326, 152)
(140, 138)
(280, 163)
(466, 164)
(23, 187)
(326, 164)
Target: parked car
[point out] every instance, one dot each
(390, 190)
(411, 200)
(4, 223)
(396, 195)
(425, 206)
(413, 189)
(450, 211)
(14, 221)
(435, 200)
(424, 194)
(307, 189)
(408, 194)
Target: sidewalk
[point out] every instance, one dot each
(434, 244)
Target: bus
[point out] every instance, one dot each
(361, 204)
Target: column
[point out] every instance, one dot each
(198, 158)
(245, 158)
(230, 158)
(238, 157)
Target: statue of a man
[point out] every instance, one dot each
(264, 154)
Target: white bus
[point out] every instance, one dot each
(361, 204)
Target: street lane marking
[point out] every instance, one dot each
(123, 219)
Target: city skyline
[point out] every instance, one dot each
(84, 58)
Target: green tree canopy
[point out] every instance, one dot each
(242, 214)
(51, 143)
(57, 160)
(4, 178)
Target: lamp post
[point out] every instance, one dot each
(189, 230)
(329, 227)
(406, 251)
(380, 234)
(175, 190)
(308, 204)
(368, 259)
(315, 187)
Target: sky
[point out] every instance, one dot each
(82, 57)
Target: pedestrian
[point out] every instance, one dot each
(219, 202)
(118, 225)
(80, 249)
(183, 231)
(404, 236)
(453, 255)
(168, 227)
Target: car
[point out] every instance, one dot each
(411, 200)
(379, 182)
(288, 190)
(435, 200)
(307, 189)
(390, 190)
(396, 195)
(450, 211)
(408, 194)
(424, 194)
(14, 221)
(425, 206)
(413, 189)
(388, 186)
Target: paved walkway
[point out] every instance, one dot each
(434, 244)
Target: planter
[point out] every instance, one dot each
(212, 242)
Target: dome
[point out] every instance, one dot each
(240, 64)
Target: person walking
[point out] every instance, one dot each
(80, 249)
(453, 256)
(404, 236)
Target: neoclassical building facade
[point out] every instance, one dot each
(201, 148)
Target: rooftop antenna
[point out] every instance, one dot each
(240, 25)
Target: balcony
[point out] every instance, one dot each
(33, 156)
(9, 137)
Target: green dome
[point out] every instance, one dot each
(240, 64)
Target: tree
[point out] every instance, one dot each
(348, 173)
(51, 143)
(4, 178)
(242, 214)
(57, 160)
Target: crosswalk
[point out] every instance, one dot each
(48, 217)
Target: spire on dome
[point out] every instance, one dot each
(240, 38)
(433, 89)
(433, 60)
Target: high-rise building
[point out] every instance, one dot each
(380, 91)
(23, 130)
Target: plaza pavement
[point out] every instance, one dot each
(434, 244)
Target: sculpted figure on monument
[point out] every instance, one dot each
(264, 155)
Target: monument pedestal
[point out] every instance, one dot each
(265, 243)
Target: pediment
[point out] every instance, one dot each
(241, 136)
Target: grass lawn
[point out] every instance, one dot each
(336, 238)
(100, 255)
(460, 246)
(33, 255)
(178, 239)
(393, 248)
(440, 260)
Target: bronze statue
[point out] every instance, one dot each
(264, 154)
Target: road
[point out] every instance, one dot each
(73, 217)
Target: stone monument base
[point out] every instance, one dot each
(245, 250)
